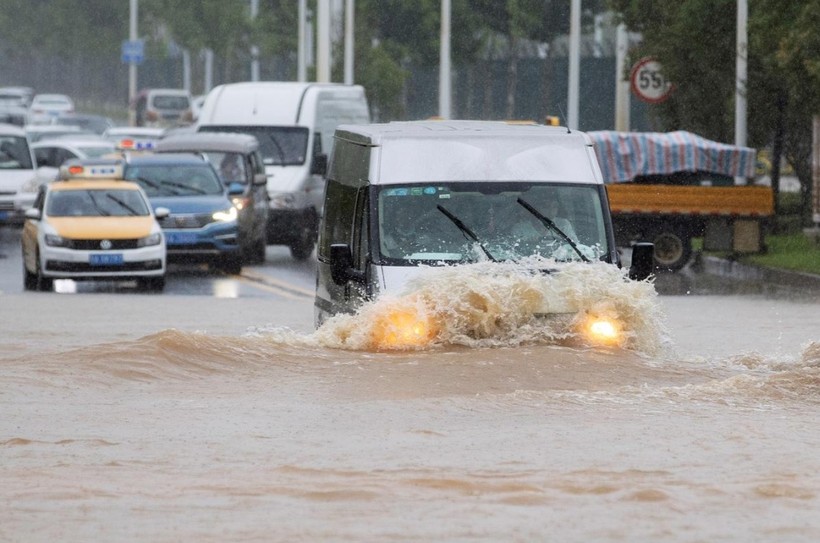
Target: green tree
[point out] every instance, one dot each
(695, 42)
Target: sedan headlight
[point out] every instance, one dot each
(226, 215)
(53, 240)
(153, 239)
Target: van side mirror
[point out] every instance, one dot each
(341, 265)
(319, 165)
(643, 260)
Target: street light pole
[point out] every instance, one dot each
(574, 64)
(254, 48)
(349, 30)
(132, 66)
(740, 78)
(301, 48)
(444, 92)
(323, 41)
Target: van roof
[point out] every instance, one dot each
(452, 129)
(438, 151)
(266, 102)
(225, 142)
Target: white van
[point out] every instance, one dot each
(294, 123)
(19, 176)
(404, 194)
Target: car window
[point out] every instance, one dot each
(14, 153)
(171, 102)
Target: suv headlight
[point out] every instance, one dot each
(226, 215)
(53, 240)
(153, 239)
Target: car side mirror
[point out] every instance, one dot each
(161, 213)
(260, 179)
(33, 213)
(643, 260)
(319, 165)
(236, 189)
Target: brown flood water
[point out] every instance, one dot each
(198, 419)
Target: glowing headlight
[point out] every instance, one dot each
(153, 239)
(226, 215)
(603, 330)
(53, 240)
(404, 328)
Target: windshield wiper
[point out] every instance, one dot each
(182, 186)
(100, 210)
(551, 226)
(466, 231)
(278, 148)
(122, 204)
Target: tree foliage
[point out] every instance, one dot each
(694, 40)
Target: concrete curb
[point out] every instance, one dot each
(729, 268)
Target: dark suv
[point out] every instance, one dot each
(238, 162)
(203, 222)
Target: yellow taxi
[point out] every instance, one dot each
(92, 225)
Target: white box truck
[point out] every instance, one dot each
(294, 123)
(406, 195)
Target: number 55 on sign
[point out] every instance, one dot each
(648, 82)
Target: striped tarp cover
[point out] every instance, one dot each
(624, 155)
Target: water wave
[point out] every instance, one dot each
(490, 304)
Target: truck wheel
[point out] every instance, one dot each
(673, 248)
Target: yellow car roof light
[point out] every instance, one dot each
(108, 169)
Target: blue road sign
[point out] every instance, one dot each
(133, 51)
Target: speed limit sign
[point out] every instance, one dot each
(648, 82)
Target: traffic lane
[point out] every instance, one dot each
(280, 276)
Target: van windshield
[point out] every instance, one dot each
(279, 145)
(467, 221)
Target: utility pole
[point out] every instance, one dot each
(574, 64)
(444, 91)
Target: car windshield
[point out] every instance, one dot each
(175, 179)
(96, 203)
(279, 145)
(14, 153)
(447, 222)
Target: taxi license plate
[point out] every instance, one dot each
(114, 259)
(180, 238)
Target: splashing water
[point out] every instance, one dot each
(490, 304)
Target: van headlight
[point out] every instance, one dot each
(403, 328)
(226, 215)
(602, 330)
(148, 241)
